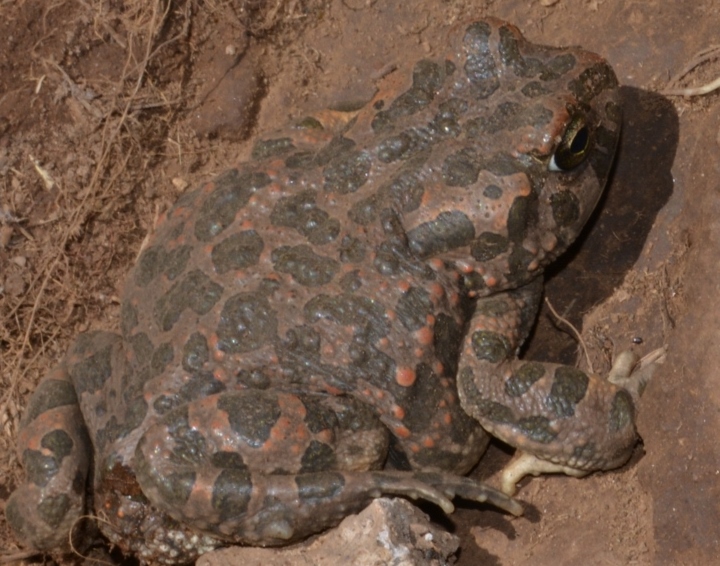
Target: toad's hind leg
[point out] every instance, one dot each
(54, 447)
(563, 419)
(269, 468)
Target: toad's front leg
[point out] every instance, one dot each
(560, 418)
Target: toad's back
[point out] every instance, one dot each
(442, 182)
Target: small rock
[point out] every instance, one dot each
(180, 184)
(389, 531)
(14, 285)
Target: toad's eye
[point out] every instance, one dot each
(574, 146)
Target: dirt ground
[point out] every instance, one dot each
(109, 110)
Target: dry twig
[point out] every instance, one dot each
(700, 58)
(574, 330)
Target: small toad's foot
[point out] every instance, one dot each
(632, 373)
(628, 372)
(470, 490)
(525, 464)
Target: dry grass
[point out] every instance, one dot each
(28, 326)
(58, 282)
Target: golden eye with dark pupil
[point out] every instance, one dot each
(573, 148)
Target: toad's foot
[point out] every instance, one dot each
(628, 372)
(633, 374)
(466, 488)
(525, 464)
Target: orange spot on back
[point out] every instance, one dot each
(464, 267)
(437, 290)
(301, 432)
(219, 422)
(213, 342)
(424, 335)
(405, 376)
(428, 442)
(325, 436)
(333, 390)
(402, 432)
(398, 412)
(179, 241)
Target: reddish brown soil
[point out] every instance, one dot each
(109, 110)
